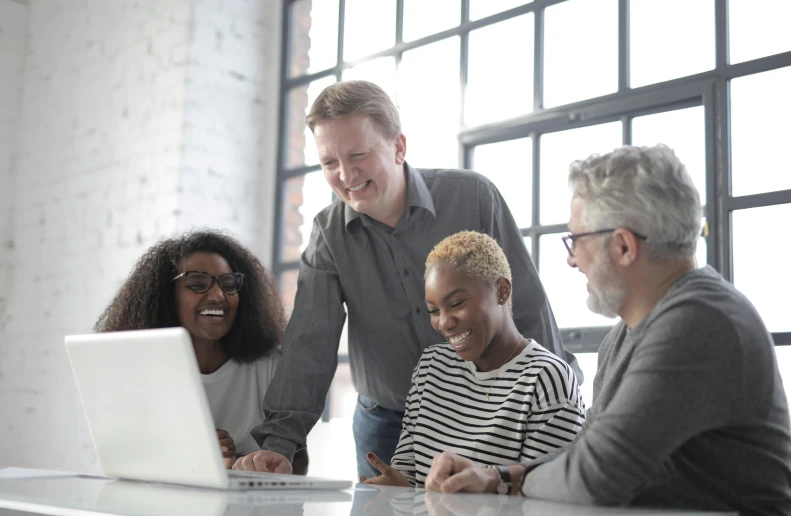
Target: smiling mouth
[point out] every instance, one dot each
(212, 313)
(458, 340)
(358, 187)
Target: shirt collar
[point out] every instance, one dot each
(417, 196)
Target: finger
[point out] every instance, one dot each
(378, 463)
(228, 462)
(222, 433)
(284, 466)
(465, 481)
(261, 462)
(362, 479)
(248, 462)
(441, 469)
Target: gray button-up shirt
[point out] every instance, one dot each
(377, 273)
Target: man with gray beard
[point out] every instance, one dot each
(688, 407)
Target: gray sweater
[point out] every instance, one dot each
(688, 411)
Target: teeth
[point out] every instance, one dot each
(359, 187)
(458, 339)
(212, 312)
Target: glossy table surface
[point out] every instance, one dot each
(86, 496)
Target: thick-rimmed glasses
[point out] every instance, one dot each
(201, 282)
(571, 238)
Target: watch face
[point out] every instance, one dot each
(502, 488)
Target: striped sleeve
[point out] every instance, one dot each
(557, 411)
(404, 457)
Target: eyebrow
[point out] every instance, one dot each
(451, 294)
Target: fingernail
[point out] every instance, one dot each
(224, 448)
(370, 455)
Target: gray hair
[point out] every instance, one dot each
(348, 98)
(645, 189)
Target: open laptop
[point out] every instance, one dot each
(148, 413)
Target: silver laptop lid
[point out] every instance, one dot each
(146, 407)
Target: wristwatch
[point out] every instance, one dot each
(503, 480)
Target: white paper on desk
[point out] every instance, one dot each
(35, 473)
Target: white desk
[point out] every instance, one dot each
(85, 496)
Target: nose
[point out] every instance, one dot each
(347, 173)
(572, 262)
(215, 293)
(445, 323)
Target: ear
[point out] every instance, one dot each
(400, 155)
(503, 290)
(624, 247)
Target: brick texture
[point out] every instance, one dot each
(138, 120)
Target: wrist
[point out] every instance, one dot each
(492, 480)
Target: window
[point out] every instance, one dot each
(519, 89)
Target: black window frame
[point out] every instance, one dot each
(710, 89)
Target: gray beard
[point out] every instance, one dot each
(607, 297)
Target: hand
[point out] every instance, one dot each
(451, 473)
(389, 476)
(228, 448)
(264, 460)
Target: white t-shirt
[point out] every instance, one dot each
(236, 396)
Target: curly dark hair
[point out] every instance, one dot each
(147, 298)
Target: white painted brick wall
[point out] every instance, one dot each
(13, 45)
(127, 135)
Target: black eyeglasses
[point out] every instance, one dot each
(201, 282)
(571, 238)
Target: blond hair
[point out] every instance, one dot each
(348, 98)
(476, 255)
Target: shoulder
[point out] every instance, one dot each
(540, 360)
(458, 178)
(440, 356)
(332, 216)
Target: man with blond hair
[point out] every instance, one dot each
(688, 408)
(366, 257)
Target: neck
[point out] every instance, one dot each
(645, 295)
(210, 354)
(391, 212)
(503, 346)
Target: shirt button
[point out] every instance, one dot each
(417, 310)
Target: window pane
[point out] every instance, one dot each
(760, 133)
(581, 50)
(755, 242)
(558, 150)
(314, 36)
(511, 79)
(380, 71)
(758, 28)
(701, 253)
(510, 167)
(566, 287)
(670, 39)
(301, 148)
(303, 198)
(370, 26)
(589, 364)
(429, 100)
(426, 17)
(483, 8)
(683, 131)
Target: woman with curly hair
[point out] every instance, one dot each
(214, 287)
(489, 393)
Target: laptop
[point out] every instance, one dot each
(149, 417)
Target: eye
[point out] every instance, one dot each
(433, 311)
(329, 163)
(456, 304)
